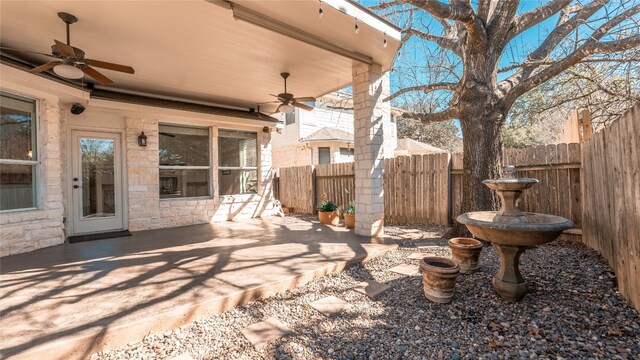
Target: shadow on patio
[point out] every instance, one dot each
(75, 299)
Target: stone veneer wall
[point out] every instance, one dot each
(23, 231)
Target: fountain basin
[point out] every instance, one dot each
(528, 229)
(514, 184)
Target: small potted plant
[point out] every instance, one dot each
(350, 215)
(328, 213)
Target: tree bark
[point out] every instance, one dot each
(482, 151)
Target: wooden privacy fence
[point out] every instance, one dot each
(557, 168)
(337, 182)
(416, 189)
(426, 189)
(611, 188)
(295, 187)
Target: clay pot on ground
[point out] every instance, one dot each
(439, 278)
(466, 253)
(349, 221)
(329, 217)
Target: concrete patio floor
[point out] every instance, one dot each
(72, 300)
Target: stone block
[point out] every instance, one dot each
(330, 305)
(260, 334)
(371, 288)
(405, 269)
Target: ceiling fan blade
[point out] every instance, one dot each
(111, 66)
(96, 75)
(25, 51)
(305, 99)
(302, 106)
(65, 49)
(45, 67)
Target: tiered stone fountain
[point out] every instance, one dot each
(511, 231)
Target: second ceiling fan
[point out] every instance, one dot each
(288, 101)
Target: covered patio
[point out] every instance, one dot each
(70, 301)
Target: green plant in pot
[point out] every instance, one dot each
(350, 215)
(328, 212)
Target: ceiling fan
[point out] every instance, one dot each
(288, 101)
(72, 63)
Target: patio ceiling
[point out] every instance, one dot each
(196, 50)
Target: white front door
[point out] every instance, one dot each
(96, 182)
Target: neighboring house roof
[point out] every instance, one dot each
(411, 146)
(330, 134)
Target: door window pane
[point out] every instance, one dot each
(17, 190)
(184, 183)
(183, 146)
(18, 153)
(98, 177)
(324, 155)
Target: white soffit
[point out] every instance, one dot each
(196, 50)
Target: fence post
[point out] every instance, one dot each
(449, 191)
(314, 190)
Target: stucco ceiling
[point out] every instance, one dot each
(195, 49)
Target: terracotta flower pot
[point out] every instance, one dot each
(349, 221)
(329, 218)
(439, 278)
(466, 253)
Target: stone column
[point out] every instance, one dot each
(371, 118)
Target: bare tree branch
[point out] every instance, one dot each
(549, 44)
(590, 47)
(485, 9)
(583, 61)
(386, 5)
(425, 88)
(525, 21)
(448, 114)
(503, 15)
(457, 11)
(446, 43)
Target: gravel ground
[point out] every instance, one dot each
(572, 311)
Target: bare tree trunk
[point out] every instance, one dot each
(482, 151)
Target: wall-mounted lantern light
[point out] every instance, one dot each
(142, 139)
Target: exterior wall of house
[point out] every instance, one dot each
(49, 224)
(312, 121)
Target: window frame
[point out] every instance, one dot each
(256, 168)
(328, 153)
(179, 167)
(34, 163)
(294, 115)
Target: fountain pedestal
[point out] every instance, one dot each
(511, 231)
(508, 282)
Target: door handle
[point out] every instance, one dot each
(75, 186)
